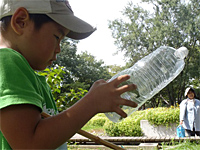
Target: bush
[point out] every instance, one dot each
(137, 116)
(126, 127)
(131, 125)
(97, 121)
(163, 116)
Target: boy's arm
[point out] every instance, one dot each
(23, 126)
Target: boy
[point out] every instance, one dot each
(30, 35)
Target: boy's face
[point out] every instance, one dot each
(40, 47)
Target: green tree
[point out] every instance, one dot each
(89, 69)
(114, 69)
(68, 59)
(172, 23)
(82, 69)
(54, 77)
(64, 100)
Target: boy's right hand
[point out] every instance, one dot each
(105, 96)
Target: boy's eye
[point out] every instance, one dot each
(57, 38)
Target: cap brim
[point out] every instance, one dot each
(79, 29)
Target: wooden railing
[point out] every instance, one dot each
(132, 140)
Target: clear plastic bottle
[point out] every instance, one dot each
(151, 74)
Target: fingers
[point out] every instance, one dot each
(120, 112)
(128, 103)
(120, 79)
(109, 94)
(126, 88)
(124, 102)
(122, 89)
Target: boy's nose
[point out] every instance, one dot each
(58, 49)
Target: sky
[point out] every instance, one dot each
(97, 12)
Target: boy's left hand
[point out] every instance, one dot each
(105, 96)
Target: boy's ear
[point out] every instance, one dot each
(19, 20)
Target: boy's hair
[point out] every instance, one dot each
(38, 19)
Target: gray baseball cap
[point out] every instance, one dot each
(58, 10)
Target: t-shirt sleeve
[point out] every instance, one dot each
(18, 82)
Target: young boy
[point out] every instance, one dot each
(30, 35)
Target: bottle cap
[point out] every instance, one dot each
(182, 52)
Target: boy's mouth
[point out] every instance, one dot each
(53, 59)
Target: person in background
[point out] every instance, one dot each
(30, 36)
(190, 113)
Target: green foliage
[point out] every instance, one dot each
(137, 116)
(90, 70)
(54, 78)
(124, 128)
(182, 145)
(98, 120)
(131, 125)
(80, 68)
(163, 116)
(72, 97)
(63, 100)
(114, 69)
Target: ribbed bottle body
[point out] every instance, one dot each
(151, 74)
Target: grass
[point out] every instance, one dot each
(95, 125)
(95, 130)
(90, 127)
(185, 145)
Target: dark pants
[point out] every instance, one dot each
(192, 133)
